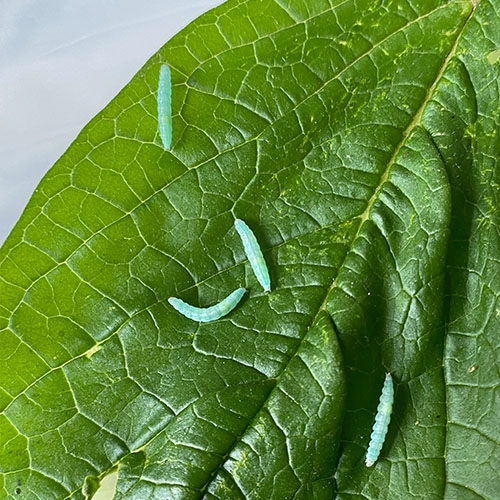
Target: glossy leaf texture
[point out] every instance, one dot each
(359, 140)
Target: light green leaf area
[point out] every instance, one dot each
(359, 140)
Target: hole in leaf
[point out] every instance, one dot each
(493, 56)
(95, 489)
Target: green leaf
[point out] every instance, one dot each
(359, 140)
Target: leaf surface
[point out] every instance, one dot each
(359, 141)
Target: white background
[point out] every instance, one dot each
(61, 62)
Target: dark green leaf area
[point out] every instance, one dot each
(322, 157)
(470, 145)
(57, 449)
(388, 305)
(229, 444)
(290, 448)
(183, 456)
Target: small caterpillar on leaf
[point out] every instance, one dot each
(382, 419)
(254, 254)
(206, 314)
(165, 106)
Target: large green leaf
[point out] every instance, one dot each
(359, 139)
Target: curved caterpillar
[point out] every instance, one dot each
(254, 254)
(206, 314)
(382, 419)
(165, 106)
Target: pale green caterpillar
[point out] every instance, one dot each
(206, 314)
(165, 106)
(382, 419)
(254, 254)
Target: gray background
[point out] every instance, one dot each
(61, 62)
